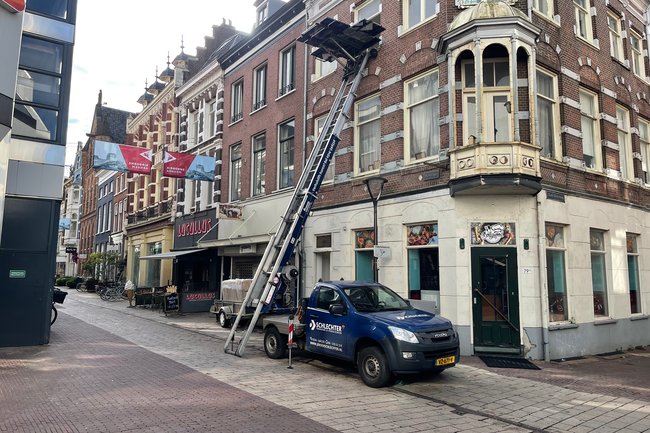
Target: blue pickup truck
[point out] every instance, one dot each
(367, 324)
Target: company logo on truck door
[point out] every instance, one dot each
(326, 327)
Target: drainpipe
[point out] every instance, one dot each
(515, 88)
(541, 240)
(302, 265)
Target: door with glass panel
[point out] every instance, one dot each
(495, 299)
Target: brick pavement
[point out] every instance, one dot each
(465, 398)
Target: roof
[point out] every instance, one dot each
(486, 9)
(110, 122)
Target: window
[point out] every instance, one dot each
(323, 257)
(624, 143)
(544, 7)
(645, 150)
(323, 68)
(583, 20)
(287, 66)
(153, 266)
(36, 110)
(556, 273)
(364, 245)
(637, 55)
(51, 8)
(423, 262)
(590, 132)
(417, 11)
(211, 123)
(633, 273)
(259, 88)
(369, 10)
(286, 145)
(368, 134)
(598, 274)
(615, 39)
(327, 297)
(319, 124)
(547, 115)
(496, 98)
(262, 13)
(259, 161)
(237, 101)
(235, 172)
(421, 116)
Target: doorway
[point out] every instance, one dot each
(495, 300)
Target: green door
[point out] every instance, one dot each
(495, 300)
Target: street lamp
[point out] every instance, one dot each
(375, 185)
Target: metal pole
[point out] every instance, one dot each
(375, 271)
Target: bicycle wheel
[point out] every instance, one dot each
(55, 314)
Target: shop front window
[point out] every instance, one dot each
(423, 262)
(153, 266)
(598, 272)
(555, 273)
(364, 245)
(633, 273)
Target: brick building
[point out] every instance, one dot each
(513, 136)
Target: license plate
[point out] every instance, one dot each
(445, 361)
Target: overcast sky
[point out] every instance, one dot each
(119, 44)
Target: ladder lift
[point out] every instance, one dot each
(334, 40)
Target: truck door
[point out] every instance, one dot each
(327, 332)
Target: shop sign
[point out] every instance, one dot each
(195, 227)
(493, 233)
(189, 229)
(17, 273)
(13, 5)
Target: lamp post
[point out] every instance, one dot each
(375, 186)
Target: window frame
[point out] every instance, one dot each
(615, 37)
(364, 5)
(237, 101)
(624, 133)
(259, 89)
(235, 172)
(644, 144)
(556, 247)
(290, 166)
(284, 73)
(556, 146)
(549, 6)
(409, 106)
(357, 141)
(416, 242)
(632, 253)
(595, 126)
(579, 10)
(637, 57)
(423, 18)
(599, 251)
(259, 165)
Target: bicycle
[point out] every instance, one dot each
(113, 293)
(58, 296)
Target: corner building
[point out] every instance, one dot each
(513, 136)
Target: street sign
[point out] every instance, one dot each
(381, 252)
(70, 250)
(17, 273)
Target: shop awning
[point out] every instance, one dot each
(171, 254)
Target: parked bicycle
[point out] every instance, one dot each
(58, 296)
(112, 293)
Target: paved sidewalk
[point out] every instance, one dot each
(469, 397)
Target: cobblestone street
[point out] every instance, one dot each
(116, 369)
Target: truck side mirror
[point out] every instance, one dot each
(338, 309)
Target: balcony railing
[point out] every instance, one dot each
(159, 210)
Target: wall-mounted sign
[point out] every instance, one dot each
(70, 250)
(189, 229)
(493, 234)
(17, 273)
(13, 5)
(229, 212)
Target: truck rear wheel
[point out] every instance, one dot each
(373, 367)
(275, 344)
(224, 321)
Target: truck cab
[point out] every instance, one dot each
(372, 326)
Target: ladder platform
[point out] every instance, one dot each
(336, 39)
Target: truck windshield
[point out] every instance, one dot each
(375, 298)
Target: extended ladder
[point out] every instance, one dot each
(334, 40)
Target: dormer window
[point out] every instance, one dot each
(262, 13)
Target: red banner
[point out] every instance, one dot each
(13, 5)
(118, 157)
(188, 166)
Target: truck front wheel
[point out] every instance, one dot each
(275, 344)
(373, 367)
